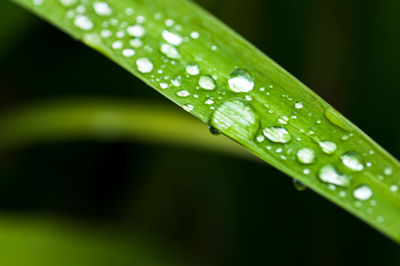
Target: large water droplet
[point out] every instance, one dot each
(328, 147)
(236, 117)
(329, 174)
(352, 160)
(306, 156)
(241, 81)
(207, 83)
(362, 192)
(144, 65)
(277, 134)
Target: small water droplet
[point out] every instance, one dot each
(136, 43)
(306, 156)
(299, 186)
(188, 107)
(329, 174)
(176, 81)
(388, 171)
(170, 51)
(194, 35)
(298, 105)
(277, 134)
(362, 192)
(214, 131)
(136, 31)
(337, 119)
(207, 82)
(394, 188)
(328, 147)
(172, 38)
(68, 2)
(128, 52)
(144, 65)
(241, 81)
(193, 69)
(83, 22)
(236, 117)
(183, 93)
(352, 160)
(102, 8)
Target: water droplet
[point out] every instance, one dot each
(298, 105)
(352, 160)
(329, 174)
(117, 45)
(394, 188)
(37, 2)
(188, 107)
(136, 43)
(170, 51)
(207, 83)
(306, 156)
(194, 35)
(241, 81)
(328, 147)
(277, 134)
(83, 22)
(102, 8)
(183, 93)
(144, 65)
(172, 38)
(128, 52)
(214, 131)
(236, 117)
(193, 69)
(388, 171)
(163, 86)
(337, 119)
(129, 11)
(299, 186)
(136, 31)
(68, 2)
(176, 81)
(362, 192)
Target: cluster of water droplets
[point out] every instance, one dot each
(229, 99)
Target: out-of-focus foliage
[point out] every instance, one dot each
(346, 50)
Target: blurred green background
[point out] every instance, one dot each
(102, 198)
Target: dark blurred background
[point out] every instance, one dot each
(90, 201)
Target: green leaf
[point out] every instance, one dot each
(203, 66)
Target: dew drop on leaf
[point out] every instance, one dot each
(102, 8)
(362, 192)
(352, 160)
(207, 82)
(306, 156)
(214, 131)
(329, 174)
(236, 116)
(299, 186)
(193, 69)
(328, 147)
(170, 51)
(277, 134)
(144, 65)
(241, 81)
